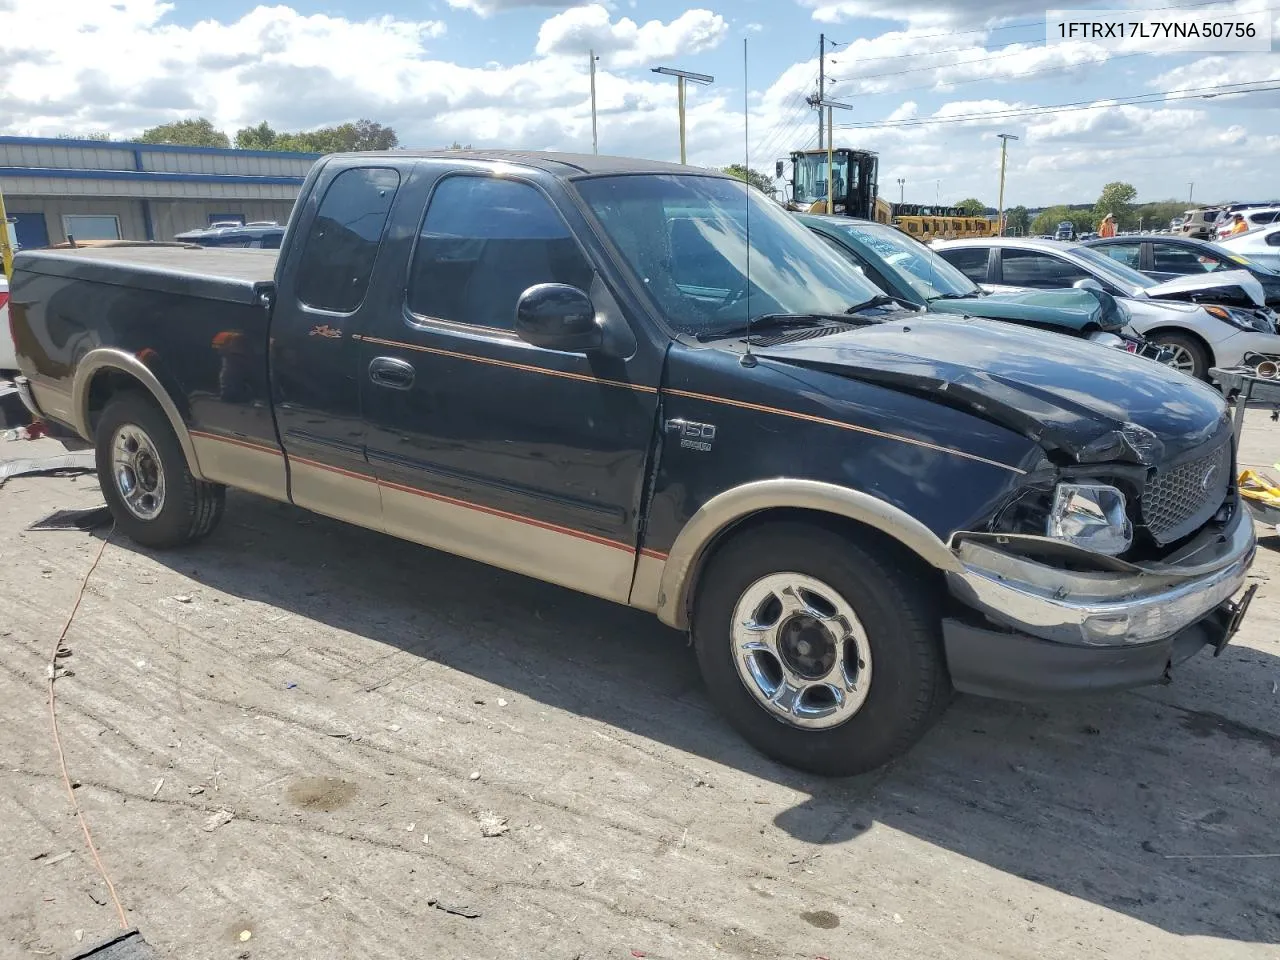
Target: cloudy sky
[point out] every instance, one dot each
(514, 73)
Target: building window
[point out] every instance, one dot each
(91, 227)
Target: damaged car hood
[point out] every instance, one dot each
(1237, 288)
(1082, 402)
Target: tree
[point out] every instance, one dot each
(1017, 221)
(197, 132)
(344, 138)
(1047, 220)
(972, 207)
(754, 177)
(1117, 198)
(97, 136)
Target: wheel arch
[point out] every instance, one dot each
(1205, 345)
(105, 371)
(727, 511)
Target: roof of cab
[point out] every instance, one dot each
(567, 165)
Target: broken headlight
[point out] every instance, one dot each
(1092, 516)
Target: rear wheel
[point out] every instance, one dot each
(1188, 354)
(824, 652)
(145, 479)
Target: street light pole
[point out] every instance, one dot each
(681, 76)
(832, 106)
(1191, 189)
(902, 184)
(595, 142)
(1004, 152)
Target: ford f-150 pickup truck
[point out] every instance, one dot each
(645, 382)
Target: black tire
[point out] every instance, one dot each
(895, 601)
(188, 509)
(1192, 348)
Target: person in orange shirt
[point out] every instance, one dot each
(1108, 227)
(1238, 225)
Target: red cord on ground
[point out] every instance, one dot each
(57, 739)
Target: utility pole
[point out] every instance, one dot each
(822, 80)
(595, 142)
(1004, 152)
(681, 76)
(902, 185)
(831, 107)
(1191, 188)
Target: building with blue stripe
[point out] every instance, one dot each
(96, 190)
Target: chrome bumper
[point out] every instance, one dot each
(1142, 604)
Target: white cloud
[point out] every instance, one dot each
(486, 8)
(626, 43)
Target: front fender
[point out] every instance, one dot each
(725, 509)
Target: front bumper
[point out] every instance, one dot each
(1232, 351)
(1049, 628)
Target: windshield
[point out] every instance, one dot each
(926, 272)
(811, 177)
(1229, 257)
(1126, 278)
(685, 238)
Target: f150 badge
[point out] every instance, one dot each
(693, 436)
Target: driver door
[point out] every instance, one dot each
(484, 445)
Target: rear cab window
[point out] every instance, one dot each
(341, 246)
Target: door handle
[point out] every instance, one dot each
(391, 372)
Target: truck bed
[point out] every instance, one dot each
(232, 275)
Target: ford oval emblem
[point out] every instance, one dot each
(1209, 476)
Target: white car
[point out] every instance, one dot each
(1207, 320)
(1261, 246)
(1255, 218)
(8, 353)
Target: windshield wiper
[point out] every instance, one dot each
(883, 300)
(956, 296)
(771, 321)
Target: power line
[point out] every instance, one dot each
(1167, 96)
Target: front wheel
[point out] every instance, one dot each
(144, 476)
(1187, 355)
(822, 650)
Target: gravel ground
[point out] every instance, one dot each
(330, 739)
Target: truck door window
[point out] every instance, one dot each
(484, 242)
(341, 245)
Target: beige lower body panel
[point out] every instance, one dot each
(336, 493)
(246, 466)
(648, 581)
(55, 403)
(559, 556)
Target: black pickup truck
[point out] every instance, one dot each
(648, 383)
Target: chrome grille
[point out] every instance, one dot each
(1179, 500)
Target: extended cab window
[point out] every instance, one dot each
(1027, 268)
(971, 261)
(341, 246)
(484, 242)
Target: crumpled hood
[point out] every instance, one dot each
(1082, 402)
(1068, 310)
(1232, 287)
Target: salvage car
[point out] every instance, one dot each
(590, 371)
(1206, 321)
(1260, 246)
(907, 269)
(1163, 257)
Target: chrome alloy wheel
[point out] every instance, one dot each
(801, 651)
(1180, 358)
(137, 471)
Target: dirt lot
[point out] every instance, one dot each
(362, 712)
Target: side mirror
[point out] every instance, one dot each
(1088, 283)
(778, 170)
(556, 316)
